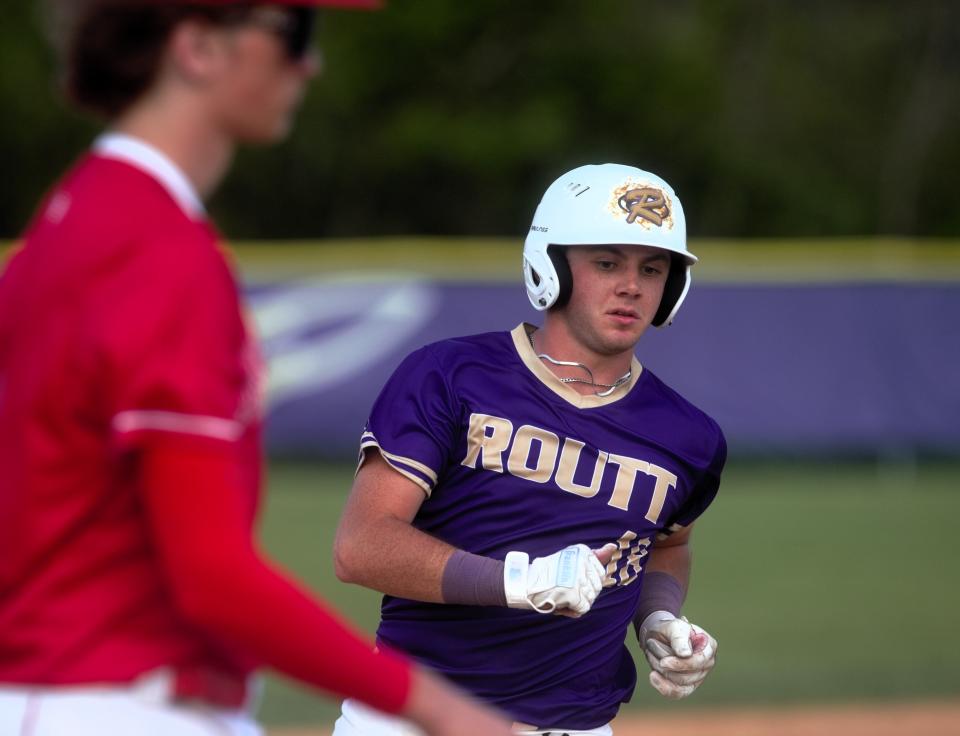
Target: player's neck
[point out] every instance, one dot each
(183, 134)
(557, 341)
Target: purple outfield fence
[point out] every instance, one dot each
(797, 368)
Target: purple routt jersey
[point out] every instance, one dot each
(512, 459)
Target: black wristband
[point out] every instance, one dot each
(661, 592)
(473, 580)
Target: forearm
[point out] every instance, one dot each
(389, 555)
(249, 602)
(674, 561)
(665, 582)
(221, 584)
(378, 547)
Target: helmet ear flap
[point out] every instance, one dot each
(674, 290)
(564, 277)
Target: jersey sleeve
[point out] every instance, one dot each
(224, 586)
(413, 421)
(704, 490)
(175, 355)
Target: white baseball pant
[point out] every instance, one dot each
(142, 709)
(357, 719)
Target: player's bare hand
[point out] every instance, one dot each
(680, 654)
(566, 582)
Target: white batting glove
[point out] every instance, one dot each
(680, 654)
(566, 582)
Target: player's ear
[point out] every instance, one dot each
(196, 51)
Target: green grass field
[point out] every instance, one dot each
(823, 582)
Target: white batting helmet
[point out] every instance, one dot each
(605, 204)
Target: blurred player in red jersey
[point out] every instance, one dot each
(133, 597)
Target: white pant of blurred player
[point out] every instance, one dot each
(142, 709)
(357, 719)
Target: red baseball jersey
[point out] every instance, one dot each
(120, 323)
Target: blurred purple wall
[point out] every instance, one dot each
(797, 368)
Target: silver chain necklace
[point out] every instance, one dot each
(610, 387)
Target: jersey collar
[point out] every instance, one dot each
(152, 161)
(521, 341)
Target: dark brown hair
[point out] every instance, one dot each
(110, 50)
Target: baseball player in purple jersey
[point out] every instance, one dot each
(508, 477)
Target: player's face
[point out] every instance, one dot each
(616, 292)
(266, 74)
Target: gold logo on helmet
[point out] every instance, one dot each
(645, 204)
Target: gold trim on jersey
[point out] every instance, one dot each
(397, 462)
(521, 341)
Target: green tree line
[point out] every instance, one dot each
(827, 117)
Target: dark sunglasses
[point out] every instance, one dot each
(294, 26)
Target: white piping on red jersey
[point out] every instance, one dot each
(152, 161)
(168, 421)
